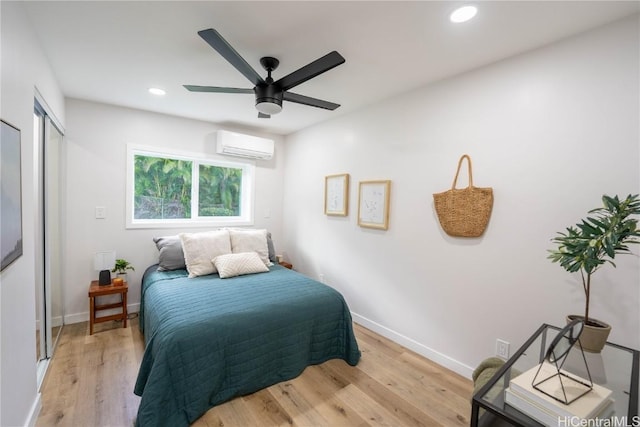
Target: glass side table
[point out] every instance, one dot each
(616, 368)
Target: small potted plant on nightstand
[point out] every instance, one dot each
(121, 267)
(591, 243)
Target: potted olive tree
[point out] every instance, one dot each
(590, 244)
(121, 267)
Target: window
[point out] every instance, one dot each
(168, 189)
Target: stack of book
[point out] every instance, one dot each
(548, 411)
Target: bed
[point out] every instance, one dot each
(210, 339)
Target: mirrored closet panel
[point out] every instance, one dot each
(49, 285)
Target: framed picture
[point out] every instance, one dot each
(10, 194)
(336, 194)
(373, 204)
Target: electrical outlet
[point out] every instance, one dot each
(502, 349)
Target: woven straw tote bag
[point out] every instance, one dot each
(464, 212)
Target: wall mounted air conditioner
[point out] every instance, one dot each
(240, 145)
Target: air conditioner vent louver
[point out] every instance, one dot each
(240, 145)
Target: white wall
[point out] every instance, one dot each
(537, 127)
(23, 69)
(96, 140)
(551, 131)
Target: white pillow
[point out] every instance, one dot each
(250, 241)
(200, 248)
(232, 265)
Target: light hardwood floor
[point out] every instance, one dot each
(90, 383)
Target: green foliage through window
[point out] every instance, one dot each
(219, 190)
(163, 189)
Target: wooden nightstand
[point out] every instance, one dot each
(286, 264)
(96, 290)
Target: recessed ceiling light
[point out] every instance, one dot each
(463, 14)
(157, 91)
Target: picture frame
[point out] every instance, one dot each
(10, 194)
(373, 204)
(336, 194)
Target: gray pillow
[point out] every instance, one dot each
(272, 251)
(171, 254)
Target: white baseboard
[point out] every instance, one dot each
(34, 412)
(439, 358)
(55, 321)
(84, 316)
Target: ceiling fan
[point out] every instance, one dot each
(269, 94)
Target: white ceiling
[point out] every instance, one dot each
(113, 51)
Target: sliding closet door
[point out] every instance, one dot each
(41, 342)
(49, 303)
(52, 242)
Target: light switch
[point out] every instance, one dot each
(101, 212)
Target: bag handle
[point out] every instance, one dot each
(455, 180)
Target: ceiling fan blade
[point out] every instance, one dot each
(263, 116)
(309, 71)
(307, 100)
(217, 42)
(193, 88)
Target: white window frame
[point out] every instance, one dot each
(247, 196)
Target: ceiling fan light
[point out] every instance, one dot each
(267, 107)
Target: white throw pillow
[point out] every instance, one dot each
(250, 241)
(232, 265)
(200, 248)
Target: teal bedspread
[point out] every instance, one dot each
(210, 339)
